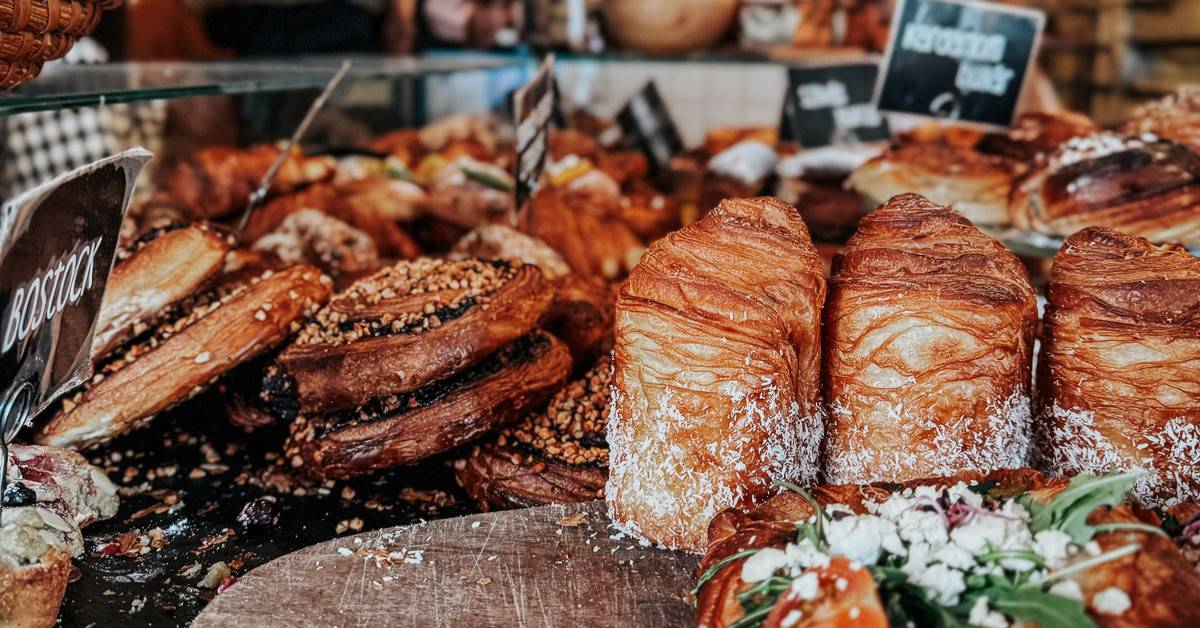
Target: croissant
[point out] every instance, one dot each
(590, 245)
(405, 327)
(1117, 384)
(216, 331)
(716, 384)
(162, 267)
(218, 181)
(1143, 186)
(977, 185)
(928, 332)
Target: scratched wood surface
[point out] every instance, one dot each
(549, 566)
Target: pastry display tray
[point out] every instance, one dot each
(175, 519)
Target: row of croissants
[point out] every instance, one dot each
(738, 363)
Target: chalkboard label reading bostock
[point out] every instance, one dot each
(57, 244)
(647, 123)
(959, 60)
(533, 106)
(832, 104)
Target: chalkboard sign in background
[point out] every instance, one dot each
(959, 60)
(647, 124)
(533, 107)
(832, 104)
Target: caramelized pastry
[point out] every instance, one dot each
(1142, 186)
(468, 193)
(1036, 133)
(557, 455)
(212, 333)
(313, 237)
(218, 181)
(1116, 372)
(591, 246)
(501, 242)
(975, 184)
(716, 384)
(406, 327)
(581, 315)
(928, 333)
(162, 267)
(403, 428)
(1175, 117)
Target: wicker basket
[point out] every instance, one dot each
(35, 31)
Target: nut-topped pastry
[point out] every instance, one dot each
(402, 428)
(1175, 117)
(208, 335)
(404, 327)
(554, 456)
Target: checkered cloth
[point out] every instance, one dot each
(41, 145)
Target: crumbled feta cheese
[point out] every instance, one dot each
(804, 554)
(1068, 589)
(943, 582)
(1111, 601)
(953, 556)
(863, 538)
(763, 564)
(1053, 546)
(917, 526)
(807, 587)
(982, 616)
(792, 618)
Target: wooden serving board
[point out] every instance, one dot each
(548, 566)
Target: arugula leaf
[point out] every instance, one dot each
(802, 533)
(1039, 607)
(494, 181)
(906, 603)
(1068, 511)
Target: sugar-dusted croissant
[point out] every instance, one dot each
(928, 332)
(977, 185)
(1117, 385)
(1141, 185)
(716, 384)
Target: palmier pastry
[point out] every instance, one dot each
(1117, 386)
(310, 236)
(51, 494)
(160, 268)
(915, 553)
(557, 455)
(977, 185)
(1137, 185)
(213, 333)
(1036, 133)
(218, 181)
(403, 428)
(1175, 117)
(716, 384)
(405, 327)
(928, 332)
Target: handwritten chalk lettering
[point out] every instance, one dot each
(860, 116)
(534, 125)
(954, 43)
(981, 77)
(823, 95)
(49, 293)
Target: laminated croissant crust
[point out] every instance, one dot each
(716, 387)
(1117, 384)
(928, 333)
(1163, 587)
(977, 185)
(1140, 186)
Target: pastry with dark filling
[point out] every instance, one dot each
(406, 326)
(204, 337)
(406, 427)
(557, 455)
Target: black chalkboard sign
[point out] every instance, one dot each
(57, 244)
(648, 126)
(832, 104)
(533, 107)
(959, 59)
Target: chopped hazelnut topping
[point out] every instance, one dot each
(571, 428)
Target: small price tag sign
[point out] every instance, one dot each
(57, 243)
(647, 123)
(959, 59)
(533, 107)
(832, 104)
